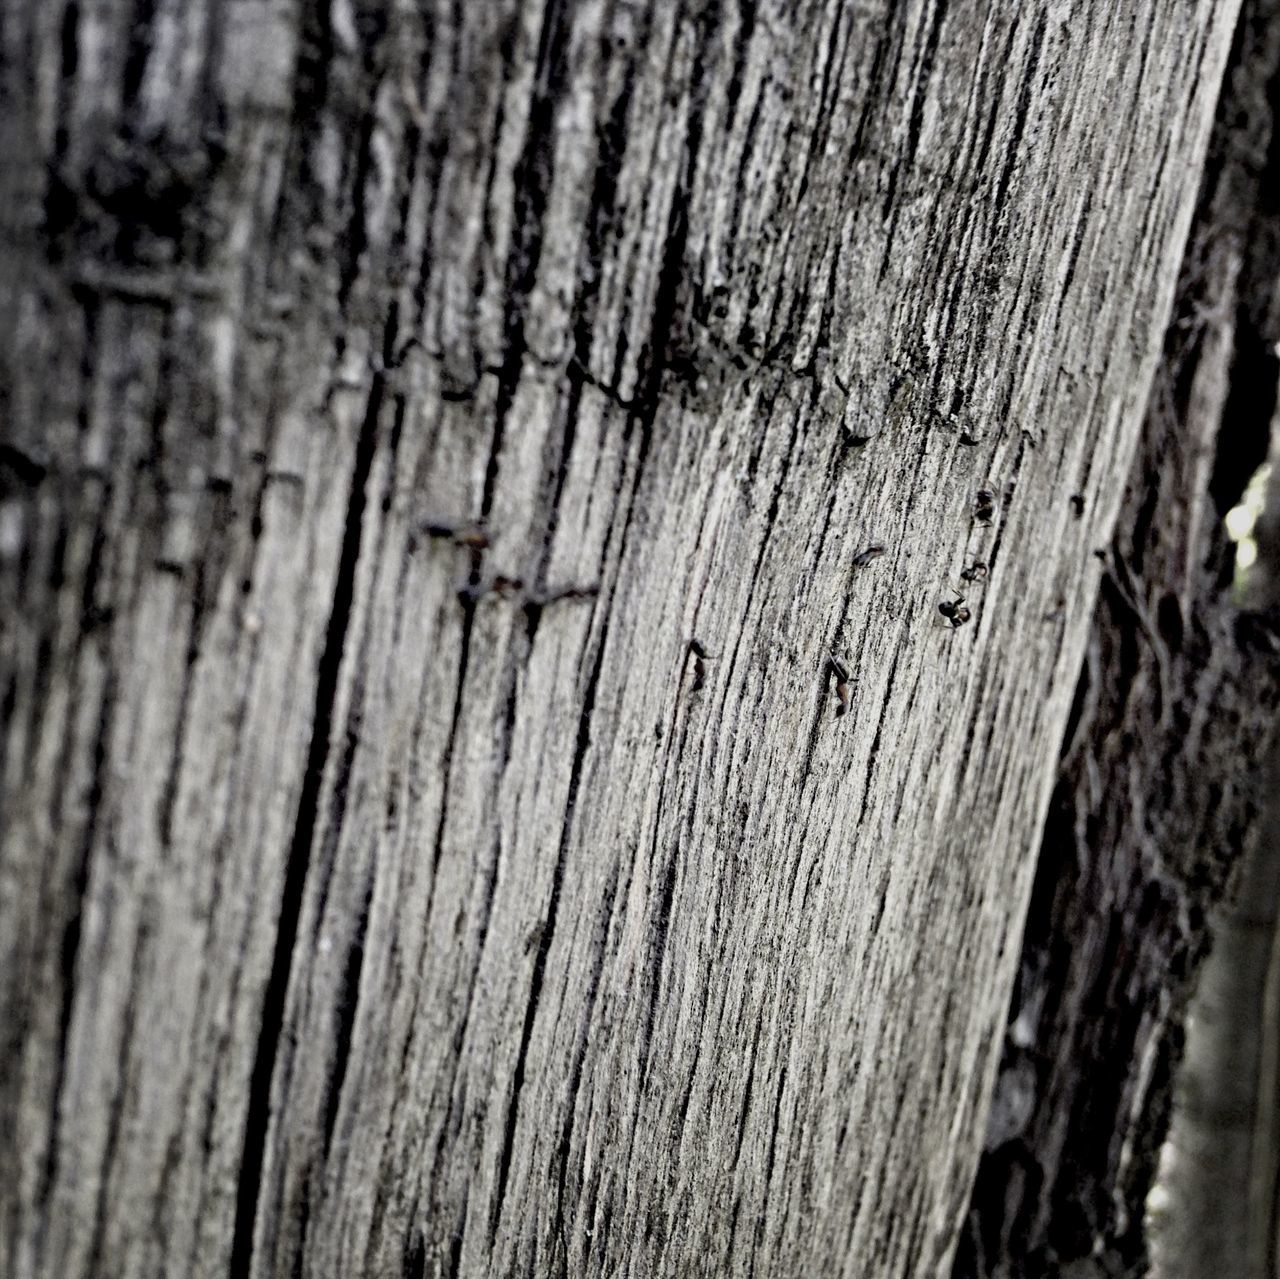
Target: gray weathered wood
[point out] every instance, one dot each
(360, 916)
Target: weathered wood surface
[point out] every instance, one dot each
(360, 917)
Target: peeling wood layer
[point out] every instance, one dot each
(379, 898)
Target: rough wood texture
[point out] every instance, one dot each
(375, 900)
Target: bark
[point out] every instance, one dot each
(392, 394)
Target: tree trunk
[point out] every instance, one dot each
(442, 450)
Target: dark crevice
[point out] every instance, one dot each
(345, 1008)
(258, 1109)
(532, 182)
(415, 1257)
(453, 1268)
(747, 1087)
(670, 346)
(324, 856)
(141, 31)
(304, 211)
(19, 471)
(660, 352)
(304, 1220)
(600, 224)
(771, 515)
(816, 143)
(356, 237)
(1021, 117)
(924, 73)
(659, 927)
(72, 885)
(8, 702)
(69, 52)
(1247, 415)
(741, 49)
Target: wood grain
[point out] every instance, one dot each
(363, 913)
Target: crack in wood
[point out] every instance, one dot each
(258, 1108)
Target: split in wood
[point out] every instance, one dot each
(1077, 504)
(984, 506)
(863, 558)
(19, 469)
